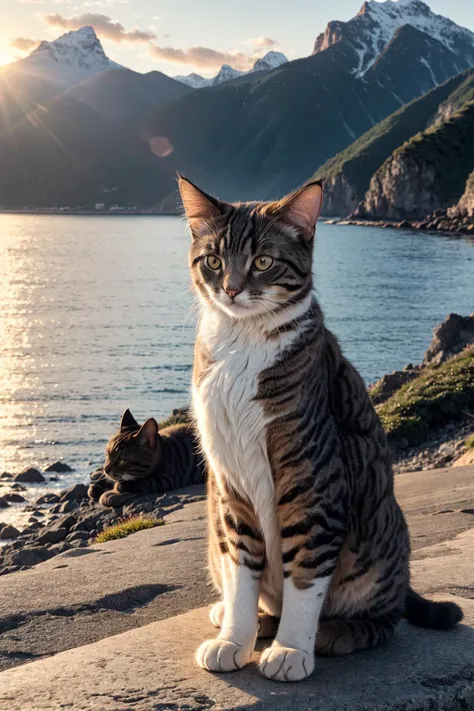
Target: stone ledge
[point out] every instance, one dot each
(153, 668)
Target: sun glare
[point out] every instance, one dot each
(6, 57)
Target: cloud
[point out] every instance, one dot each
(23, 44)
(202, 57)
(105, 27)
(261, 42)
(31, 2)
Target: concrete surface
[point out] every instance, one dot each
(73, 600)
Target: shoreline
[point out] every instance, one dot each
(438, 225)
(88, 213)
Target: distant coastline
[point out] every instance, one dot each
(92, 211)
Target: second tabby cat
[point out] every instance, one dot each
(144, 460)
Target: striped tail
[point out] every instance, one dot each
(432, 615)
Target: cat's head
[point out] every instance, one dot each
(134, 451)
(252, 259)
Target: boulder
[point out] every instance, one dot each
(8, 533)
(3, 503)
(14, 498)
(6, 475)
(67, 506)
(54, 534)
(59, 468)
(74, 493)
(47, 499)
(30, 476)
(30, 555)
(450, 338)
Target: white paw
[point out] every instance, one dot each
(220, 655)
(286, 664)
(216, 614)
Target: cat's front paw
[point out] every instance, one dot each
(286, 664)
(221, 655)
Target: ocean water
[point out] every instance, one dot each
(96, 315)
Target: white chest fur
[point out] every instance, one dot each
(232, 423)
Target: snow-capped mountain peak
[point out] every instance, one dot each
(71, 58)
(271, 60)
(370, 31)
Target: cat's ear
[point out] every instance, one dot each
(148, 433)
(200, 208)
(301, 209)
(128, 421)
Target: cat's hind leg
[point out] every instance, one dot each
(338, 637)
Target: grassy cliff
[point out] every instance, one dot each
(433, 399)
(363, 158)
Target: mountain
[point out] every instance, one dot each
(67, 60)
(261, 137)
(66, 154)
(270, 61)
(425, 174)
(347, 175)
(124, 94)
(376, 23)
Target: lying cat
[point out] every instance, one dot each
(303, 520)
(144, 460)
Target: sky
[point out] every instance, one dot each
(181, 36)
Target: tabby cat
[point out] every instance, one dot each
(142, 460)
(303, 521)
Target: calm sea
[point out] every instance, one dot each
(96, 315)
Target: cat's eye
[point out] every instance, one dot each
(262, 264)
(213, 262)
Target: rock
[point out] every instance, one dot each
(3, 503)
(30, 476)
(9, 533)
(47, 499)
(59, 468)
(6, 475)
(75, 493)
(450, 338)
(78, 536)
(52, 535)
(14, 498)
(78, 543)
(30, 555)
(59, 547)
(388, 384)
(53, 478)
(18, 487)
(67, 506)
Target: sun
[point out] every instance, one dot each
(6, 57)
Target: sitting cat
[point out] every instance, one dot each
(303, 520)
(144, 460)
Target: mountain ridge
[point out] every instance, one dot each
(271, 60)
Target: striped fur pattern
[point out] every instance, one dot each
(303, 521)
(142, 460)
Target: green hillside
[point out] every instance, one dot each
(363, 158)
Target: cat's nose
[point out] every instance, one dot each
(233, 292)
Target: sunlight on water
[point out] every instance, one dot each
(95, 316)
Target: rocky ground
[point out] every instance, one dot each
(114, 627)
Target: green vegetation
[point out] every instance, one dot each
(181, 416)
(125, 527)
(362, 158)
(463, 93)
(433, 399)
